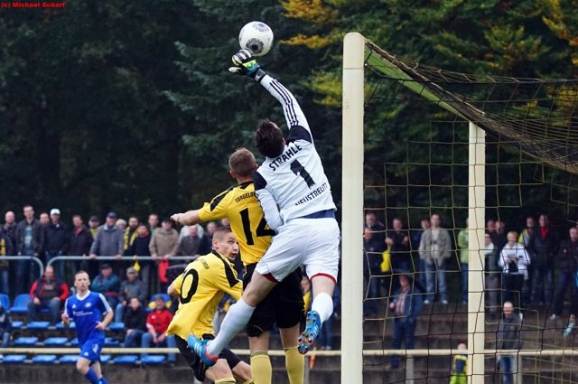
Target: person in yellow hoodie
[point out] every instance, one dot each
(199, 289)
(459, 366)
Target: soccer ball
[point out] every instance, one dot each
(257, 37)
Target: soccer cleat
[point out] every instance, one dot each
(200, 348)
(310, 334)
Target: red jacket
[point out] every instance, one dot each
(159, 320)
(38, 287)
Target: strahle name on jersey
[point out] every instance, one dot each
(295, 180)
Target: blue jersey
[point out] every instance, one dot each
(86, 313)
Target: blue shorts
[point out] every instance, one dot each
(91, 349)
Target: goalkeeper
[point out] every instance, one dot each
(294, 192)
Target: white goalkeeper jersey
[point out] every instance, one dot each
(294, 184)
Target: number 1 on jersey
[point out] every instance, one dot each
(300, 170)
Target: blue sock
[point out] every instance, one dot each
(103, 380)
(91, 376)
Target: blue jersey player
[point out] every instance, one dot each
(86, 309)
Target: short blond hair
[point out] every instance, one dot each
(242, 162)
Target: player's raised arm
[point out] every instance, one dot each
(246, 64)
(186, 218)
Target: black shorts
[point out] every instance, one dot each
(195, 361)
(284, 306)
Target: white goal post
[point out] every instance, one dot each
(354, 56)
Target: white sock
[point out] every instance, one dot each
(236, 319)
(323, 305)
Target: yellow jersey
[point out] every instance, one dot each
(240, 205)
(200, 288)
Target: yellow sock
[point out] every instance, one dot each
(250, 381)
(295, 365)
(226, 380)
(261, 368)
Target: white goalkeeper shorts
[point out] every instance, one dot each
(313, 243)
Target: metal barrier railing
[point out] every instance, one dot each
(31, 258)
(113, 258)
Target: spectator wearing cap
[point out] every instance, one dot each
(56, 241)
(108, 284)
(108, 241)
(47, 292)
(164, 245)
(93, 224)
(129, 288)
(80, 243)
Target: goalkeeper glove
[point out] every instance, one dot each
(245, 64)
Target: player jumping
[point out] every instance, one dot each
(284, 305)
(296, 199)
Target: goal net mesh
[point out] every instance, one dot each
(416, 140)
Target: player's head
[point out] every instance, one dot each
(242, 163)
(462, 346)
(269, 139)
(81, 281)
(225, 243)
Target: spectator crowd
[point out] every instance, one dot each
(148, 248)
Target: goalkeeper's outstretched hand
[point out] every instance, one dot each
(245, 64)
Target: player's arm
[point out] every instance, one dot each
(174, 289)
(186, 218)
(107, 310)
(107, 319)
(268, 204)
(65, 317)
(246, 64)
(215, 210)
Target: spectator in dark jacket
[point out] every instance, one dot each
(56, 241)
(131, 287)
(29, 243)
(508, 337)
(80, 243)
(6, 249)
(544, 247)
(108, 284)
(134, 320)
(5, 327)
(406, 306)
(140, 247)
(567, 257)
(47, 292)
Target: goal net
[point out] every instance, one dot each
(424, 146)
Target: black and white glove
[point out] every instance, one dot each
(245, 64)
